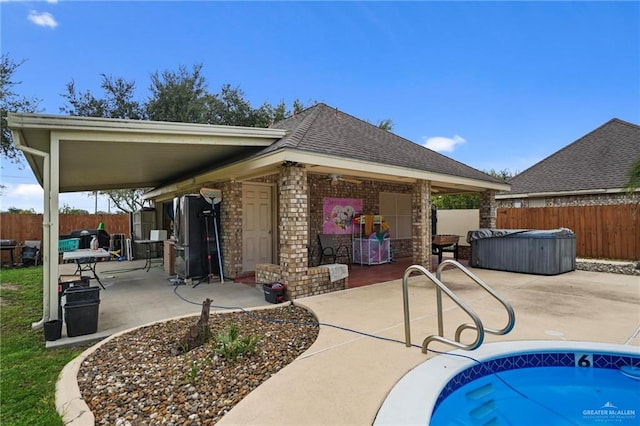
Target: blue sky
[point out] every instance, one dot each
(495, 85)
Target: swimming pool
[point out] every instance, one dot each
(537, 382)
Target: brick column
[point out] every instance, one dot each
(421, 223)
(293, 227)
(231, 228)
(488, 209)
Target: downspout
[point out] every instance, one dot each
(46, 225)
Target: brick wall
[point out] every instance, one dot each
(318, 281)
(231, 228)
(421, 213)
(293, 228)
(320, 187)
(488, 209)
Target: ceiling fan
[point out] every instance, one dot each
(335, 178)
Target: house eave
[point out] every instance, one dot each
(94, 124)
(322, 163)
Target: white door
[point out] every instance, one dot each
(257, 234)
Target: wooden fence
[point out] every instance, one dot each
(21, 227)
(602, 232)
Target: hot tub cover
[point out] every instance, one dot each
(482, 233)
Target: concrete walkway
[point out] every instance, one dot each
(344, 377)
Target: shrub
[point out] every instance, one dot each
(230, 344)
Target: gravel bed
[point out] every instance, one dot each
(136, 378)
(612, 268)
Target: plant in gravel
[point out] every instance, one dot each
(193, 373)
(230, 344)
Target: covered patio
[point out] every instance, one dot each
(274, 184)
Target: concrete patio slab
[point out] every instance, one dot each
(344, 377)
(134, 297)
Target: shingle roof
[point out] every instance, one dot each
(599, 160)
(322, 129)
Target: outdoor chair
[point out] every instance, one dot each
(30, 254)
(330, 250)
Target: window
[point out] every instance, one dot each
(396, 209)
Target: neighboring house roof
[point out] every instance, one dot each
(598, 161)
(325, 130)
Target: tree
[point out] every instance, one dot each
(386, 124)
(179, 96)
(457, 201)
(468, 201)
(230, 108)
(176, 96)
(118, 101)
(634, 177)
(126, 200)
(11, 101)
(67, 209)
(15, 210)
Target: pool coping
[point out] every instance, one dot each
(412, 401)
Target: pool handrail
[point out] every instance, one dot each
(510, 312)
(440, 286)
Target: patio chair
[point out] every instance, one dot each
(330, 250)
(30, 253)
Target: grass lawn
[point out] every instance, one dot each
(28, 371)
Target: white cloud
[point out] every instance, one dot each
(30, 196)
(24, 191)
(22, 196)
(44, 19)
(52, 1)
(443, 144)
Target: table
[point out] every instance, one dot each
(148, 244)
(86, 260)
(439, 248)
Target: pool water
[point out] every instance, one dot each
(544, 395)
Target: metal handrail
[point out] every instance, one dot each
(512, 318)
(440, 287)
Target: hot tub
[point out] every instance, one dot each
(540, 252)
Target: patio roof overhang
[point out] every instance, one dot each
(99, 154)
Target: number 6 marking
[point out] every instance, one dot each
(584, 360)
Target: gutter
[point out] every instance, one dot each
(46, 225)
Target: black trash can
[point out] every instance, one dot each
(52, 330)
(81, 317)
(81, 310)
(69, 281)
(275, 292)
(82, 294)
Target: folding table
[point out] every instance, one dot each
(86, 260)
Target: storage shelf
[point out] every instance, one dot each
(369, 251)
